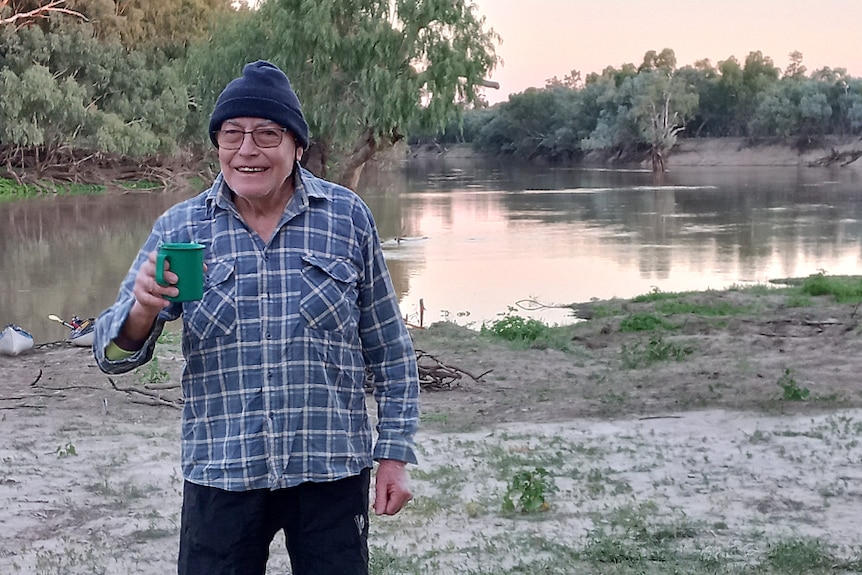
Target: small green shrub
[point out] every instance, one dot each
(515, 328)
(66, 450)
(791, 389)
(528, 491)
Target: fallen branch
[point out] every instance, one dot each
(436, 375)
(38, 377)
(150, 397)
(161, 386)
(22, 406)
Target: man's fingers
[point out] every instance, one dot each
(390, 499)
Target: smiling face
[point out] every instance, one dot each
(255, 174)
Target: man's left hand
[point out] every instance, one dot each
(391, 486)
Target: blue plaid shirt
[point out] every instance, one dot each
(276, 351)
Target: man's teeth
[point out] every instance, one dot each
(250, 170)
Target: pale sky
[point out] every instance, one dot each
(546, 38)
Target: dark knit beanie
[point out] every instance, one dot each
(263, 91)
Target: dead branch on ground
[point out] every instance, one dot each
(147, 396)
(434, 375)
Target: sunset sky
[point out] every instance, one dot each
(546, 38)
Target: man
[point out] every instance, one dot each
(297, 304)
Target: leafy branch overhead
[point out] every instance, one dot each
(43, 11)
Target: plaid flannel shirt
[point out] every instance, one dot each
(276, 351)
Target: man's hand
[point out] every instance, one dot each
(392, 490)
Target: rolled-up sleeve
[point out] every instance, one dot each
(110, 322)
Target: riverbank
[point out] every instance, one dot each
(843, 152)
(713, 432)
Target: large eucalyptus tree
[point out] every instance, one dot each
(366, 71)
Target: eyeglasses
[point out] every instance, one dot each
(262, 138)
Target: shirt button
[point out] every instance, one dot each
(268, 335)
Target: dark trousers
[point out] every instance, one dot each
(229, 533)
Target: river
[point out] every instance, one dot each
(470, 240)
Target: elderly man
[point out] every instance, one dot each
(297, 304)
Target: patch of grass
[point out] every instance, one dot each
(11, 190)
(845, 289)
(799, 556)
(657, 295)
(441, 418)
(711, 309)
(170, 338)
(140, 185)
(384, 561)
(799, 300)
(76, 189)
(602, 310)
(656, 349)
(152, 372)
(643, 322)
(790, 388)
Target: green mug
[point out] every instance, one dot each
(187, 261)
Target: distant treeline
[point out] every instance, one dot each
(83, 78)
(636, 109)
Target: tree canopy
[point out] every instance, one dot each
(366, 71)
(140, 78)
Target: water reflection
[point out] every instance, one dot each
(497, 234)
(67, 255)
(476, 238)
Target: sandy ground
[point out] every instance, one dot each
(90, 483)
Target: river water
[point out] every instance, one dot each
(471, 240)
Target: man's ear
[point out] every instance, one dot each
(299, 152)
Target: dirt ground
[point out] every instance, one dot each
(90, 483)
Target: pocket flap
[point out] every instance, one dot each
(338, 268)
(219, 272)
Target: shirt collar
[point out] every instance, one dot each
(306, 186)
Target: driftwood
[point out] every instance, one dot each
(840, 158)
(434, 375)
(146, 396)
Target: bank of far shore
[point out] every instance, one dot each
(832, 151)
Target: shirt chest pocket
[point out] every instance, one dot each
(215, 314)
(329, 293)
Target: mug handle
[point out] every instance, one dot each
(160, 269)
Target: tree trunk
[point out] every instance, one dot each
(315, 158)
(364, 149)
(657, 160)
(367, 145)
